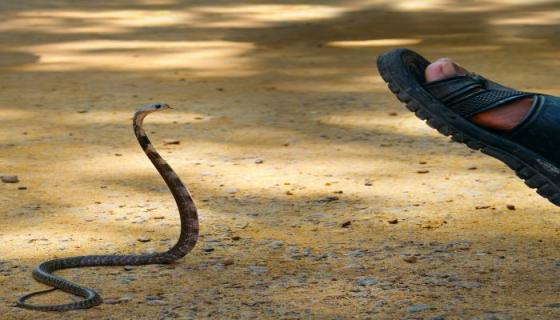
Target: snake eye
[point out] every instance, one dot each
(158, 106)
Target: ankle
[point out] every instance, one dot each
(505, 117)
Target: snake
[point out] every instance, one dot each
(186, 242)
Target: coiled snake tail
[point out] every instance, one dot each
(187, 239)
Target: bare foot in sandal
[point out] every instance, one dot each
(518, 128)
(503, 118)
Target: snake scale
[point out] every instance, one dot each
(187, 239)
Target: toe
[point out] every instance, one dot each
(442, 69)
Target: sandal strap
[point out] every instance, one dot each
(471, 94)
(539, 131)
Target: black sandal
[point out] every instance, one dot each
(531, 149)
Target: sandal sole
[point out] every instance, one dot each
(537, 172)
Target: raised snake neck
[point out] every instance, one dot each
(187, 240)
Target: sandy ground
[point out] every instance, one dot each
(286, 132)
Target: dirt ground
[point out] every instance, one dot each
(286, 133)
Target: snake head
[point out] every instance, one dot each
(149, 108)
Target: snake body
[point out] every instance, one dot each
(187, 239)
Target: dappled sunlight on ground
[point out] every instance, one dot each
(534, 18)
(69, 22)
(201, 57)
(310, 177)
(122, 21)
(468, 6)
(266, 15)
(375, 43)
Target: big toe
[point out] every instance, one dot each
(443, 68)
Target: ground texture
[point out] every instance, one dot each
(320, 197)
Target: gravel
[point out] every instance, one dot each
(419, 308)
(366, 282)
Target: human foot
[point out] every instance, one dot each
(503, 118)
(454, 103)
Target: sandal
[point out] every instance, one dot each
(531, 149)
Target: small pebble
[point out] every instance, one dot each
(393, 221)
(422, 171)
(117, 300)
(258, 270)
(410, 259)
(553, 305)
(346, 224)
(22, 188)
(144, 239)
(9, 179)
(366, 282)
(231, 190)
(510, 207)
(470, 284)
(277, 244)
(419, 308)
(171, 141)
(228, 261)
(259, 161)
(329, 199)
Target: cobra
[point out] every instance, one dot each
(187, 238)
